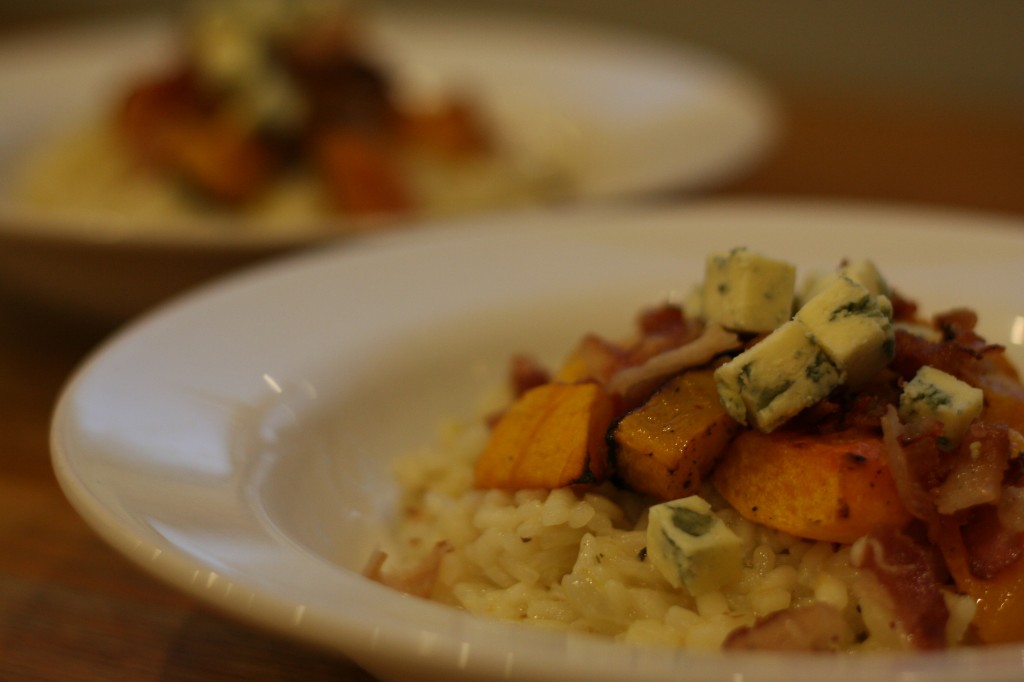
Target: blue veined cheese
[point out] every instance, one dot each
(691, 546)
(748, 292)
(934, 394)
(776, 378)
(693, 304)
(866, 274)
(863, 272)
(853, 326)
(231, 43)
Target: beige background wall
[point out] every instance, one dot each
(963, 53)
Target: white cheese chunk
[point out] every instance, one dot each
(748, 292)
(866, 274)
(863, 272)
(853, 326)
(692, 547)
(934, 394)
(776, 378)
(693, 304)
(231, 45)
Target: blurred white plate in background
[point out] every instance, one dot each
(630, 117)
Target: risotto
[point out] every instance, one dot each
(283, 113)
(576, 560)
(614, 549)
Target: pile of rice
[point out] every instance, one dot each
(576, 560)
(87, 171)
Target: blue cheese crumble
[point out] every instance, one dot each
(774, 380)
(853, 326)
(692, 547)
(747, 292)
(935, 395)
(842, 335)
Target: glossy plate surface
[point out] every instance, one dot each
(626, 115)
(236, 442)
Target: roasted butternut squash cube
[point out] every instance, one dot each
(217, 157)
(551, 437)
(361, 173)
(833, 487)
(664, 447)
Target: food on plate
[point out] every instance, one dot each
(819, 467)
(280, 109)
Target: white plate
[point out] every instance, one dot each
(631, 116)
(236, 443)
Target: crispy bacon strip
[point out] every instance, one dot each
(976, 469)
(526, 372)
(418, 581)
(909, 461)
(817, 627)
(601, 358)
(169, 123)
(661, 328)
(903, 309)
(907, 575)
(713, 341)
(991, 546)
(1011, 508)
(913, 353)
(962, 352)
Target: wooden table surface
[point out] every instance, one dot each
(73, 609)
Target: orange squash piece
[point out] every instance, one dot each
(833, 487)
(454, 129)
(361, 173)
(216, 156)
(551, 437)
(667, 445)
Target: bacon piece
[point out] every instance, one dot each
(601, 358)
(169, 123)
(361, 172)
(958, 325)
(418, 580)
(525, 373)
(641, 379)
(843, 410)
(905, 572)
(816, 627)
(453, 129)
(1011, 508)
(341, 87)
(962, 352)
(976, 469)
(965, 493)
(664, 319)
(913, 461)
(903, 309)
(661, 328)
(990, 546)
(151, 104)
(913, 353)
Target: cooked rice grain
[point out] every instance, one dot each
(577, 560)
